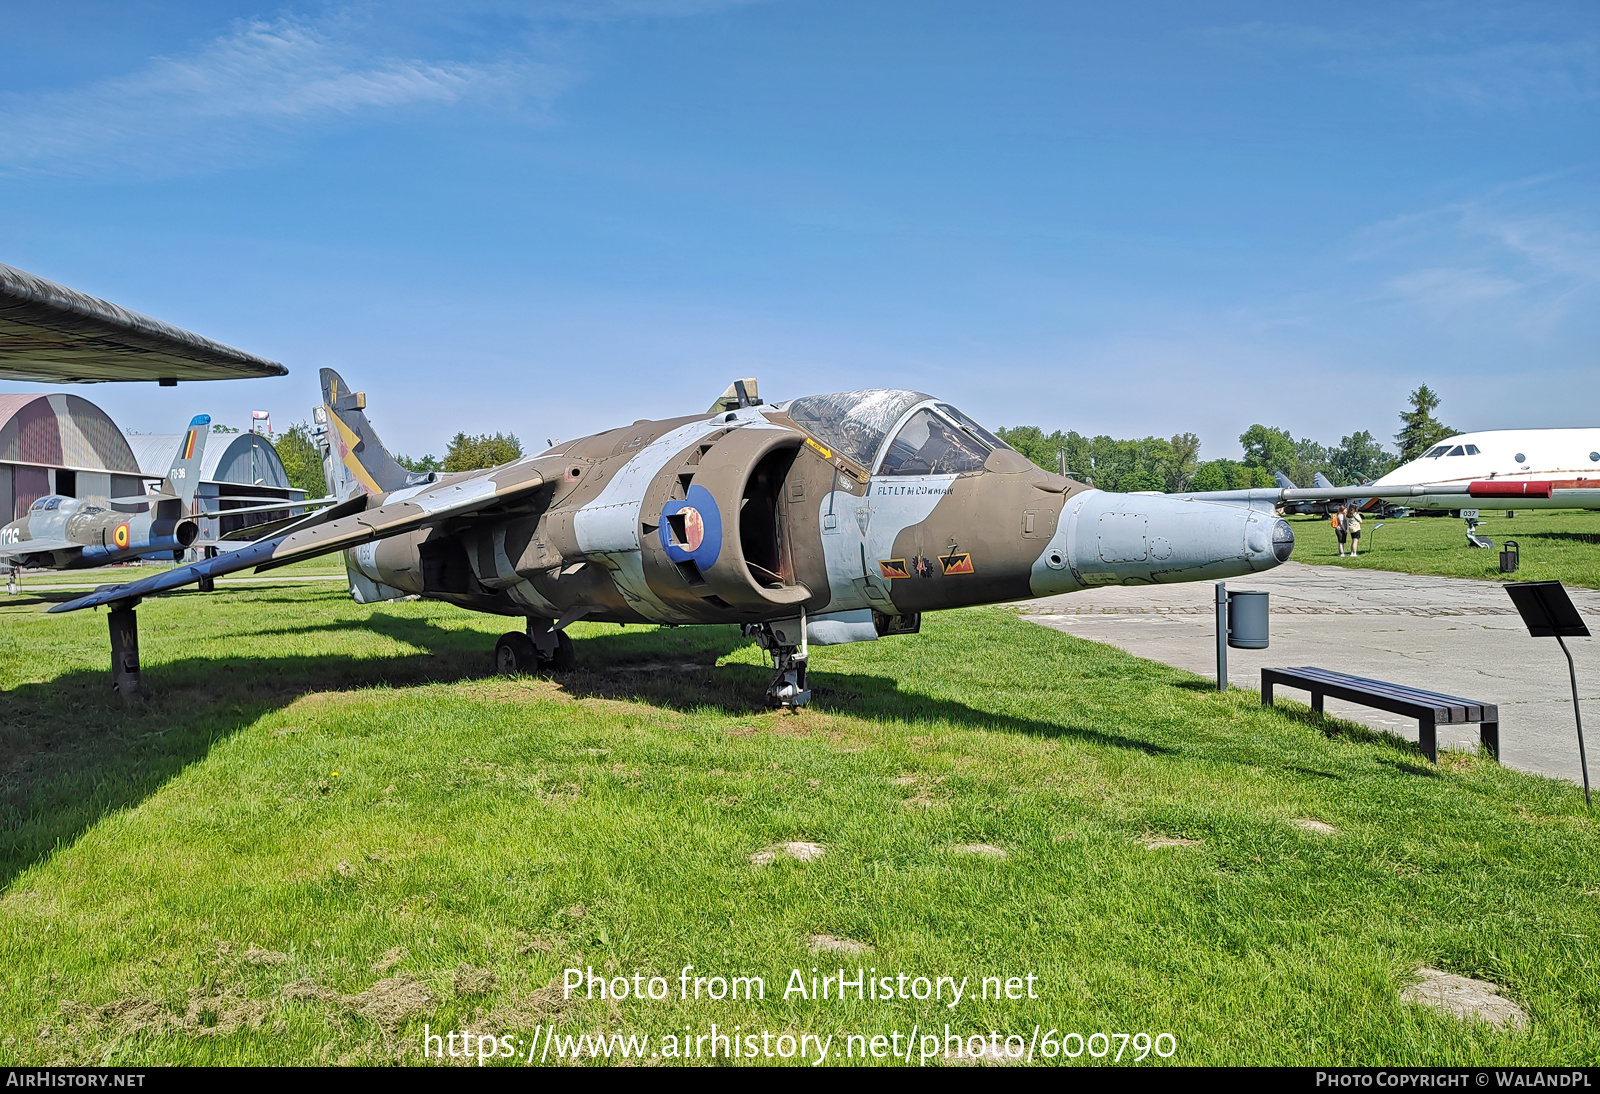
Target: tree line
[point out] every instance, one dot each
(1149, 463)
(467, 452)
(1173, 464)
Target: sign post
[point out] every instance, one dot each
(1549, 613)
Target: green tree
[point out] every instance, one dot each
(485, 450)
(1359, 458)
(1420, 430)
(218, 427)
(301, 460)
(1185, 459)
(1269, 449)
(429, 462)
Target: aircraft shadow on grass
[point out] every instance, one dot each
(70, 753)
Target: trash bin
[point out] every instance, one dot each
(1247, 619)
(1510, 556)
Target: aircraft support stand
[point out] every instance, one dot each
(125, 651)
(1222, 636)
(208, 584)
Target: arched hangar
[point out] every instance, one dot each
(62, 444)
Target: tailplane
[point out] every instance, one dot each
(353, 457)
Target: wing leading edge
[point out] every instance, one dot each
(57, 335)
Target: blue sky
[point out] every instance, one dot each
(551, 218)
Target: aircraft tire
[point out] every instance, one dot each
(514, 655)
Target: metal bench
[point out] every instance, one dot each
(1427, 707)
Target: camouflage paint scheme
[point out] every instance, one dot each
(802, 521)
(65, 533)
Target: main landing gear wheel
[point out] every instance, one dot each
(514, 655)
(546, 650)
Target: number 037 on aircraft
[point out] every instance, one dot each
(820, 520)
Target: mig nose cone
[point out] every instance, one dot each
(1282, 540)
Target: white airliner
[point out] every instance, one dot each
(1493, 469)
(1501, 469)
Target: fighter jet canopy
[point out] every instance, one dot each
(855, 424)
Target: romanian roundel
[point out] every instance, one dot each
(691, 530)
(120, 536)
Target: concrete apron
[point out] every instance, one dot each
(1444, 634)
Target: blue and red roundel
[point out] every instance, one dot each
(691, 530)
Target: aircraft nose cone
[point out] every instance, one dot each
(1282, 540)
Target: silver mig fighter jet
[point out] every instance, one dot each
(823, 519)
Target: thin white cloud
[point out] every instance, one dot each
(219, 104)
(1481, 262)
(1482, 65)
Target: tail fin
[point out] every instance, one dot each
(1284, 482)
(353, 457)
(183, 479)
(1319, 479)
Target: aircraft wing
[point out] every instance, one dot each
(1487, 488)
(38, 547)
(461, 499)
(57, 335)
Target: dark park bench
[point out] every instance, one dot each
(1427, 707)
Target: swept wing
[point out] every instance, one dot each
(57, 335)
(331, 532)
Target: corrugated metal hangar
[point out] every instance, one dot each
(64, 444)
(236, 466)
(61, 444)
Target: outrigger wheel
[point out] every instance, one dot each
(542, 649)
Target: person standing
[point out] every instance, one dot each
(1352, 527)
(1337, 520)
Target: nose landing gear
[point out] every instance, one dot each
(786, 641)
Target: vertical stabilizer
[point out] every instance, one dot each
(355, 460)
(183, 479)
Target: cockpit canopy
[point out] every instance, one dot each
(49, 501)
(932, 438)
(1451, 450)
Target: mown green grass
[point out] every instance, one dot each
(1555, 545)
(326, 810)
(117, 575)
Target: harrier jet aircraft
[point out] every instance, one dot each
(823, 519)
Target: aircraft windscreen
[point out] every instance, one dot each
(853, 423)
(973, 427)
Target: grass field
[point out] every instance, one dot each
(330, 829)
(117, 575)
(1555, 545)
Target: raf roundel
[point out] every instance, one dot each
(691, 529)
(120, 536)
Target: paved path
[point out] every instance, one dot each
(1440, 633)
